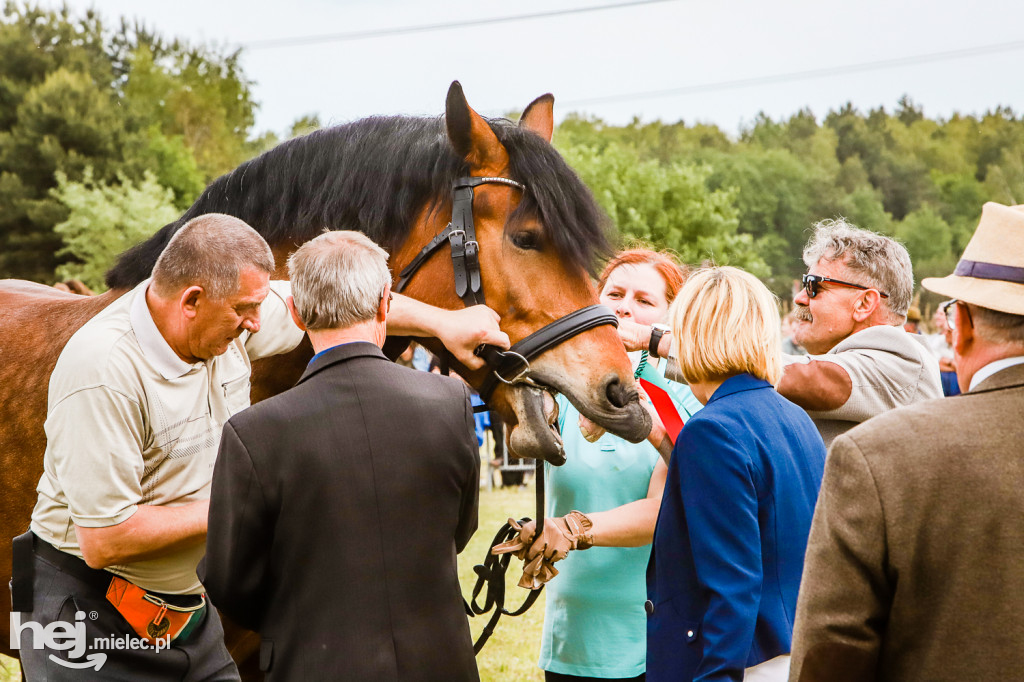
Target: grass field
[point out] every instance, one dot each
(511, 653)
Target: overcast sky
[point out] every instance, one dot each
(600, 62)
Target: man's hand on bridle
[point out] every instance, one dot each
(463, 331)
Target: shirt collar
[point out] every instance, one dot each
(736, 384)
(153, 344)
(993, 367)
(327, 350)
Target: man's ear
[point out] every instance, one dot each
(866, 304)
(189, 301)
(963, 335)
(290, 302)
(385, 306)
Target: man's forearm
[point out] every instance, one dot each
(816, 385)
(461, 331)
(409, 317)
(149, 533)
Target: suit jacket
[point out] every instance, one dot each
(729, 544)
(915, 566)
(336, 513)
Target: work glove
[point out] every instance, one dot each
(560, 535)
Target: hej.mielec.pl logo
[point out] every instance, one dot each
(71, 637)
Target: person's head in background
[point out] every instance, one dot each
(913, 323)
(855, 279)
(986, 313)
(725, 322)
(640, 284)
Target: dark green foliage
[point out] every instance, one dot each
(78, 97)
(921, 180)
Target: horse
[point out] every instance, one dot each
(538, 235)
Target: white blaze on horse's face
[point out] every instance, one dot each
(218, 322)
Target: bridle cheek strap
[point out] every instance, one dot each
(508, 366)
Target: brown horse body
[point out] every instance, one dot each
(529, 276)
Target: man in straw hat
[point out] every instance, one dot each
(915, 564)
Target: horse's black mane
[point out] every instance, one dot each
(374, 175)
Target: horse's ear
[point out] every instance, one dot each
(539, 117)
(471, 136)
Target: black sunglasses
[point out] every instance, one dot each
(812, 285)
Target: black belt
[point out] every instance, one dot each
(97, 579)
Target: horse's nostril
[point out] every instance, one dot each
(618, 395)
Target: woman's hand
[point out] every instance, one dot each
(560, 535)
(634, 336)
(591, 431)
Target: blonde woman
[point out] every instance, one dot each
(740, 493)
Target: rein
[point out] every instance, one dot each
(509, 367)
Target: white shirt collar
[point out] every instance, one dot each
(993, 367)
(154, 346)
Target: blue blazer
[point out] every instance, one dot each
(731, 535)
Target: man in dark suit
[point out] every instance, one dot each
(915, 563)
(338, 506)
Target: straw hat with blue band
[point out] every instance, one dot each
(990, 274)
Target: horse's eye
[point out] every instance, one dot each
(526, 240)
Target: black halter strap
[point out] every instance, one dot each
(461, 235)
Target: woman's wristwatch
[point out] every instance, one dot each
(657, 331)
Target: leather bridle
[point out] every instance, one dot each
(510, 366)
(507, 366)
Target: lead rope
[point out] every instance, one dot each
(640, 365)
(492, 571)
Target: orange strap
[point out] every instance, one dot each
(150, 617)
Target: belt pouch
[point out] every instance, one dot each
(23, 570)
(151, 617)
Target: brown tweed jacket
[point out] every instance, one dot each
(915, 564)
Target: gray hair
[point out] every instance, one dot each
(338, 280)
(999, 327)
(210, 251)
(880, 262)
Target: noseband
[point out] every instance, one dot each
(507, 366)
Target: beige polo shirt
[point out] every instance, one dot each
(888, 368)
(129, 423)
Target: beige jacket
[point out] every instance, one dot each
(915, 564)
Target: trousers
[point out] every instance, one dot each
(74, 634)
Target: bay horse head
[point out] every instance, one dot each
(538, 235)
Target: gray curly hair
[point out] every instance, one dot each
(881, 262)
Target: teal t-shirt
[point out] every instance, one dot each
(594, 619)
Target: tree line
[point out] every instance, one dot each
(107, 132)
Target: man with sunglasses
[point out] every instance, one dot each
(914, 566)
(849, 316)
